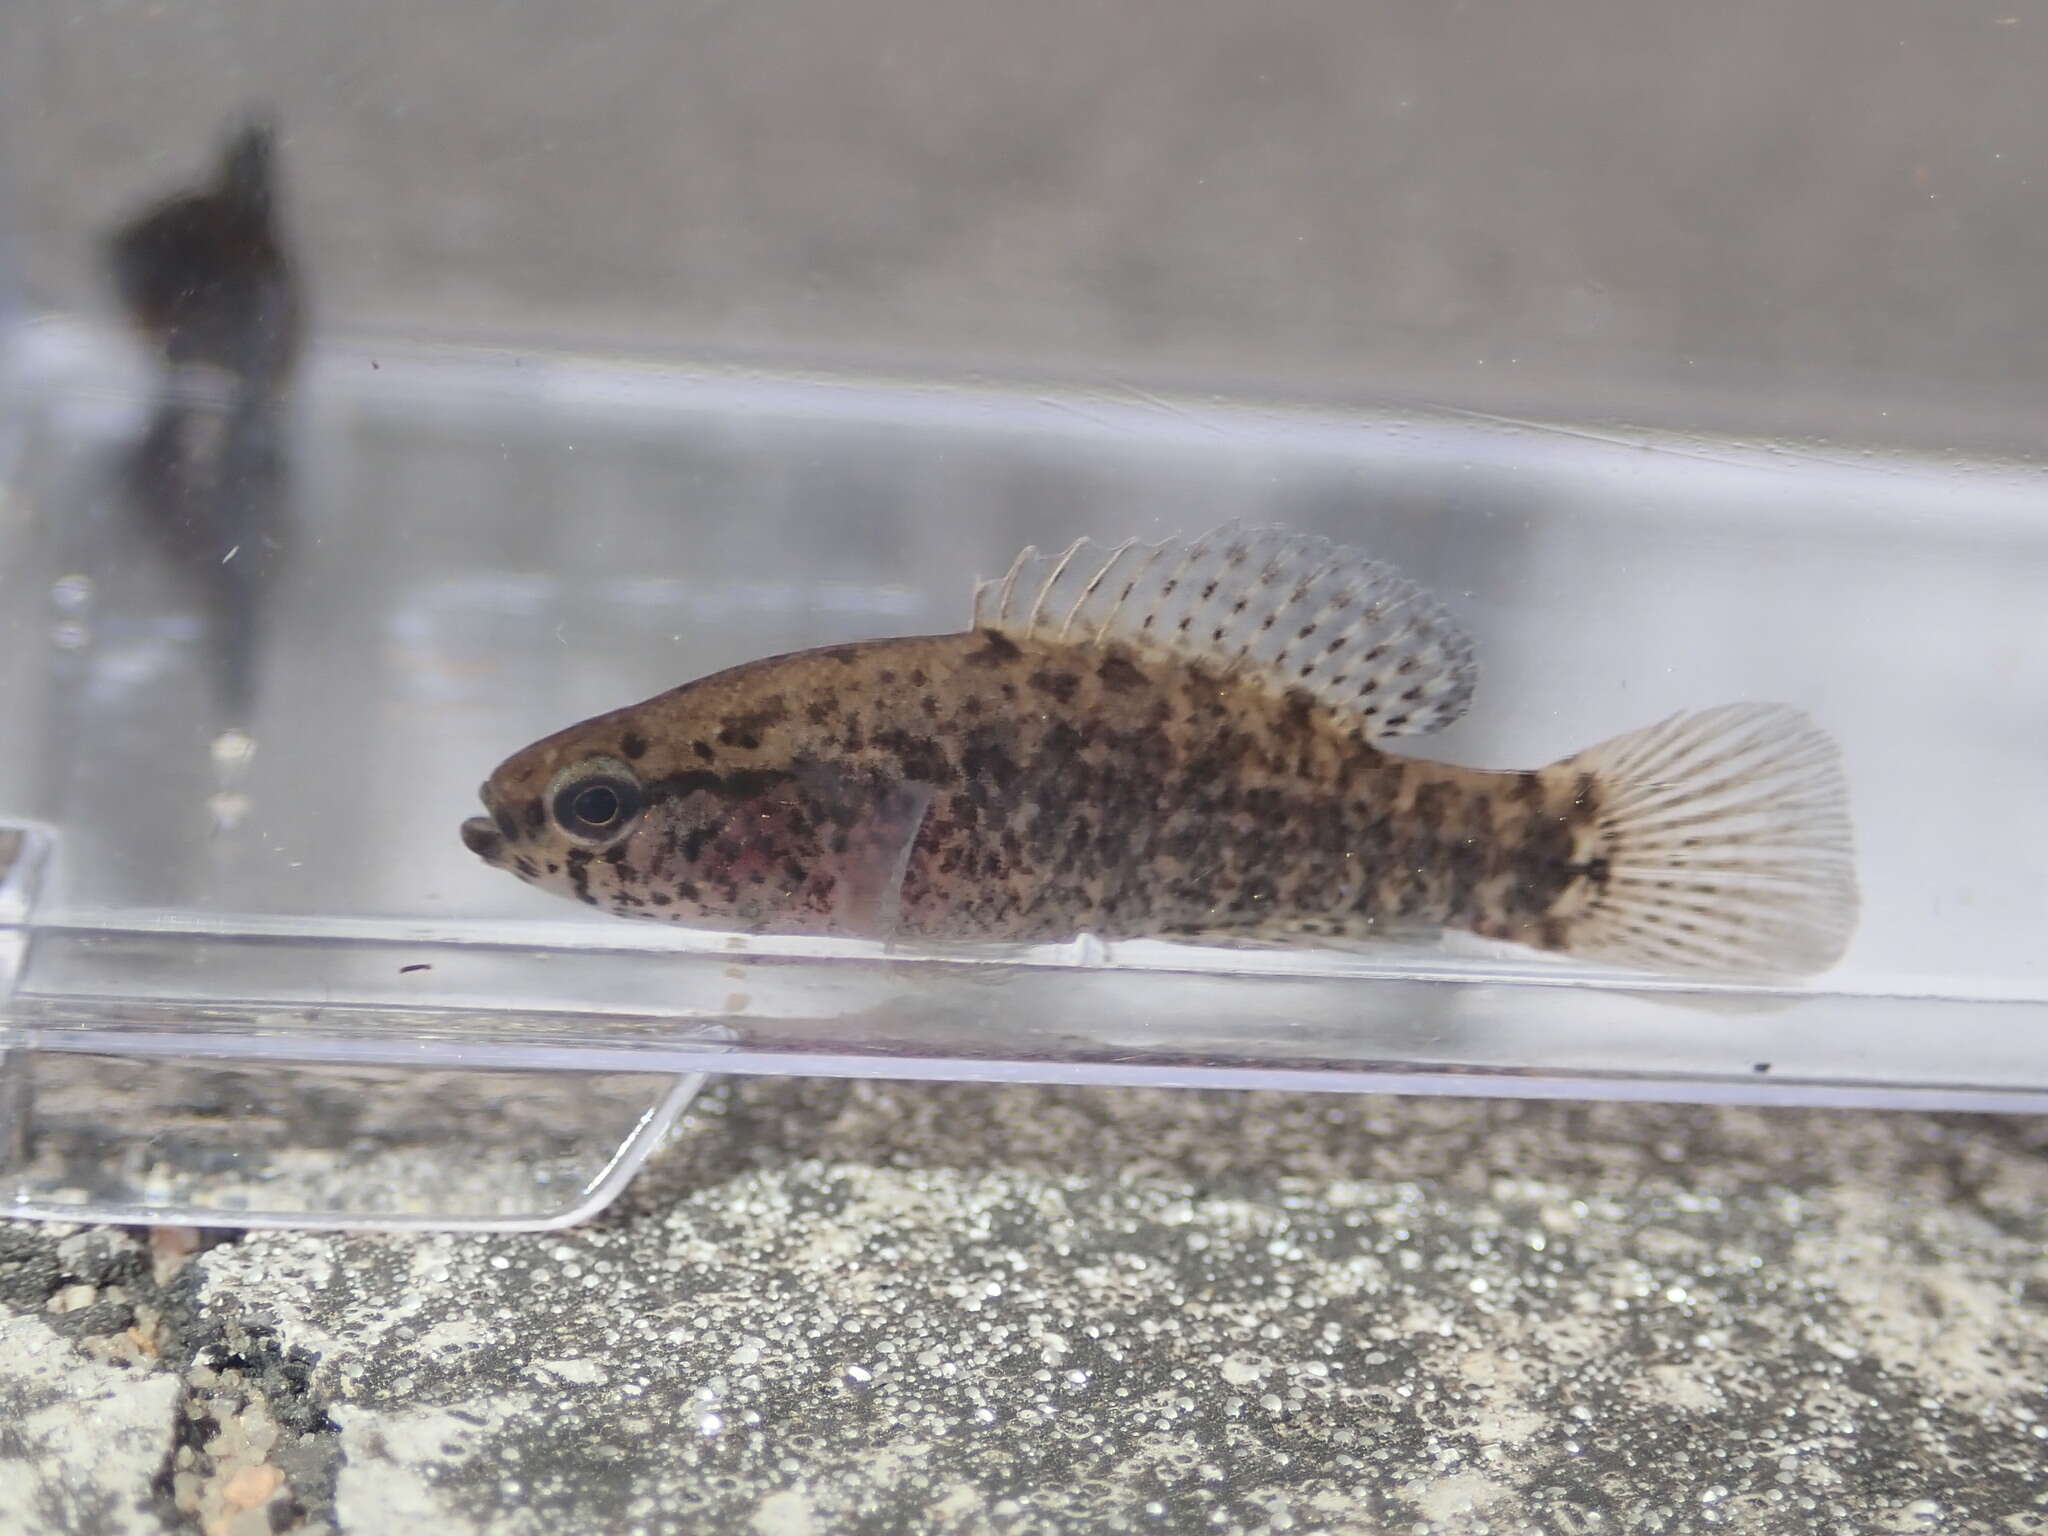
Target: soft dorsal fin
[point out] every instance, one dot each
(1290, 608)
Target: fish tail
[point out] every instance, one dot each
(1719, 841)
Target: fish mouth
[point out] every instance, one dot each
(481, 836)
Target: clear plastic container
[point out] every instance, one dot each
(617, 376)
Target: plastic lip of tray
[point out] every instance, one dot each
(134, 1091)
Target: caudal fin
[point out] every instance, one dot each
(1727, 845)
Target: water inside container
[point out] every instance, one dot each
(470, 551)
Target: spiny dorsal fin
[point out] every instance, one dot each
(1291, 608)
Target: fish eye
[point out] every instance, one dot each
(596, 802)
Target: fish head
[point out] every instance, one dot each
(640, 824)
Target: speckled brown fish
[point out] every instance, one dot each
(1183, 739)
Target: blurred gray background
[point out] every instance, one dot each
(1790, 220)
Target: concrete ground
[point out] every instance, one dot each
(872, 1306)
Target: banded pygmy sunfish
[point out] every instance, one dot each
(1188, 739)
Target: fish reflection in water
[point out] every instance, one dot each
(207, 280)
(204, 274)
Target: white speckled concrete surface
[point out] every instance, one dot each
(838, 1306)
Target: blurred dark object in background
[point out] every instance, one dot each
(207, 279)
(205, 274)
(210, 487)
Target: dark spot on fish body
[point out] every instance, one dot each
(929, 704)
(1119, 674)
(1059, 756)
(922, 759)
(526, 867)
(951, 820)
(703, 750)
(820, 710)
(744, 730)
(740, 784)
(633, 746)
(1186, 840)
(1553, 933)
(1297, 716)
(1464, 862)
(659, 898)
(507, 823)
(986, 767)
(535, 815)
(996, 650)
(835, 810)
(579, 872)
(1062, 686)
(1429, 804)
(1541, 863)
(1527, 788)
(1254, 894)
(886, 677)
